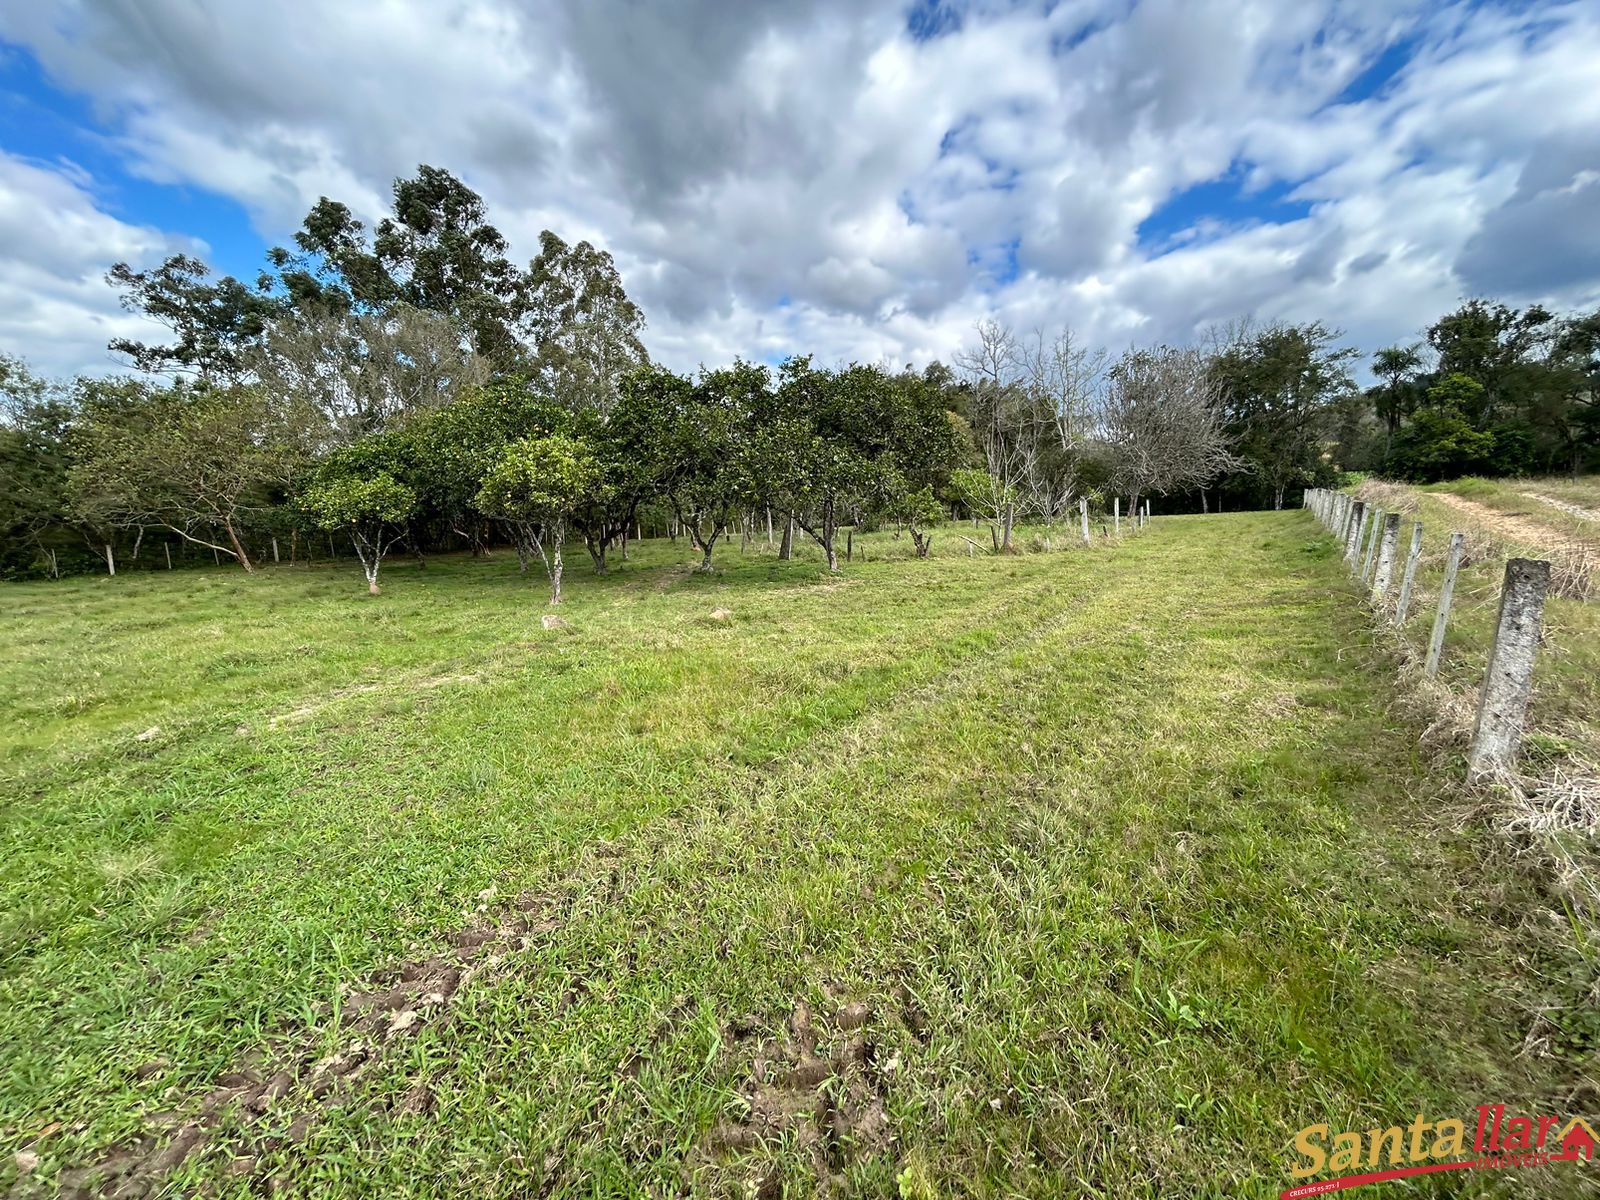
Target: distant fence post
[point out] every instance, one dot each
(1384, 574)
(1083, 516)
(111, 562)
(1372, 546)
(1358, 518)
(1413, 557)
(1452, 564)
(1508, 682)
(1116, 514)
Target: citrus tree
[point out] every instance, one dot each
(534, 486)
(356, 490)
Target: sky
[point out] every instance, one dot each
(862, 181)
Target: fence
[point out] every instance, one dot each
(1371, 540)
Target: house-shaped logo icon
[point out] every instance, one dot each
(1578, 1140)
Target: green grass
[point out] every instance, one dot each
(1128, 852)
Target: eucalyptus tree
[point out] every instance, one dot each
(364, 371)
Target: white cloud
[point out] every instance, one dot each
(55, 246)
(805, 177)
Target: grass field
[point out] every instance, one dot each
(1094, 873)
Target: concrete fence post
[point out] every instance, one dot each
(1116, 514)
(1358, 524)
(1346, 514)
(1384, 573)
(1508, 682)
(1413, 557)
(1452, 564)
(1083, 516)
(1372, 546)
(111, 562)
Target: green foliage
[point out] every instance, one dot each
(539, 479)
(339, 500)
(214, 324)
(1438, 443)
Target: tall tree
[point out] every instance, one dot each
(1397, 366)
(214, 323)
(1280, 384)
(582, 327)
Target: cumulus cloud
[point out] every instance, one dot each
(868, 180)
(55, 246)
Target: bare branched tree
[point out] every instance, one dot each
(1164, 424)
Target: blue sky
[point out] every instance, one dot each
(857, 181)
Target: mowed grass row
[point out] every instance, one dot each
(1121, 850)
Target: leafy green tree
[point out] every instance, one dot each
(534, 486)
(820, 450)
(705, 426)
(214, 323)
(1280, 385)
(583, 328)
(458, 444)
(360, 489)
(1439, 442)
(34, 420)
(195, 460)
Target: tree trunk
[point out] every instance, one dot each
(238, 549)
(167, 548)
(1011, 520)
(275, 557)
(597, 551)
(1277, 498)
(111, 562)
(558, 533)
(137, 542)
(294, 544)
(786, 549)
(850, 546)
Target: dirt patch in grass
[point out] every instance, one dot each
(1575, 562)
(425, 683)
(1574, 510)
(280, 1093)
(819, 1086)
(1516, 527)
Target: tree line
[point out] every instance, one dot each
(408, 388)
